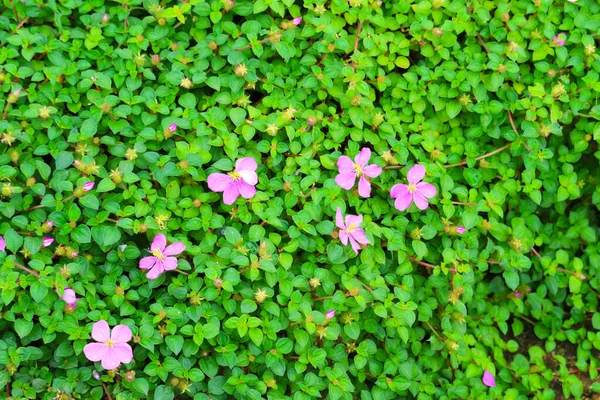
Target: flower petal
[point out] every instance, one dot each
(95, 351)
(345, 165)
(120, 334)
(355, 245)
(355, 220)
(123, 352)
(247, 191)
(245, 164)
(159, 242)
(110, 360)
(339, 219)
(372, 171)
(346, 180)
(147, 262)
(2, 244)
(174, 249)
(218, 182)
(403, 201)
(415, 174)
(169, 263)
(155, 271)
(426, 189)
(488, 379)
(420, 201)
(249, 177)
(363, 157)
(101, 331)
(69, 296)
(360, 237)
(344, 237)
(398, 190)
(230, 194)
(364, 187)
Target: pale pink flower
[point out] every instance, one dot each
(96, 375)
(240, 181)
(50, 224)
(88, 186)
(416, 190)
(112, 348)
(75, 254)
(330, 314)
(572, 1)
(2, 244)
(105, 18)
(297, 21)
(559, 40)
(350, 230)
(518, 294)
(48, 241)
(488, 379)
(172, 127)
(161, 259)
(349, 171)
(70, 297)
(460, 230)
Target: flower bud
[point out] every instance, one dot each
(186, 83)
(129, 376)
(105, 18)
(314, 282)
(155, 60)
(96, 375)
(88, 186)
(30, 182)
(48, 241)
(241, 70)
(330, 314)
(218, 283)
(47, 226)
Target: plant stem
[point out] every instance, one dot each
(24, 268)
(106, 391)
(434, 331)
(482, 43)
(360, 24)
(491, 153)
(14, 10)
(182, 272)
(393, 167)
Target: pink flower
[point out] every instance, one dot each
(350, 230)
(518, 294)
(2, 244)
(559, 40)
(160, 261)
(88, 186)
(488, 379)
(70, 297)
(297, 21)
(349, 171)
(48, 241)
(416, 190)
(50, 224)
(572, 1)
(105, 18)
(112, 349)
(330, 314)
(460, 230)
(240, 181)
(172, 127)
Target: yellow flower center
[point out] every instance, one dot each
(235, 175)
(351, 228)
(358, 170)
(110, 343)
(158, 254)
(412, 188)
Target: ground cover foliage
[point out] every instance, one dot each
(497, 101)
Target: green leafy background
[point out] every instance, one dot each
(506, 123)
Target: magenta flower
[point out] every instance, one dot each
(240, 181)
(50, 223)
(297, 21)
(172, 127)
(349, 171)
(160, 261)
(518, 294)
(88, 186)
(330, 314)
(460, 230)
(112, 349)
(416, 190)
(2, 244)
(350, 230)
(488, 379)
(48, 241)
(70, 297)
(559, 40)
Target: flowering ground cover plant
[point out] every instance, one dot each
(296, 200)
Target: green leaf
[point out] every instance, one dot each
(175, 343)
(90, 201)
(106, 235)
(23, 327)
(141, 385)
(63, 160)
(81, 234)
(38, 291)
(188, 100)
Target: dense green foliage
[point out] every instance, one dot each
(497, 100)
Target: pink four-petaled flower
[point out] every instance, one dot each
(350, 230)
(240, 181)
(161, 259)
(416, 190)
(112, 348)
(349, 171)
